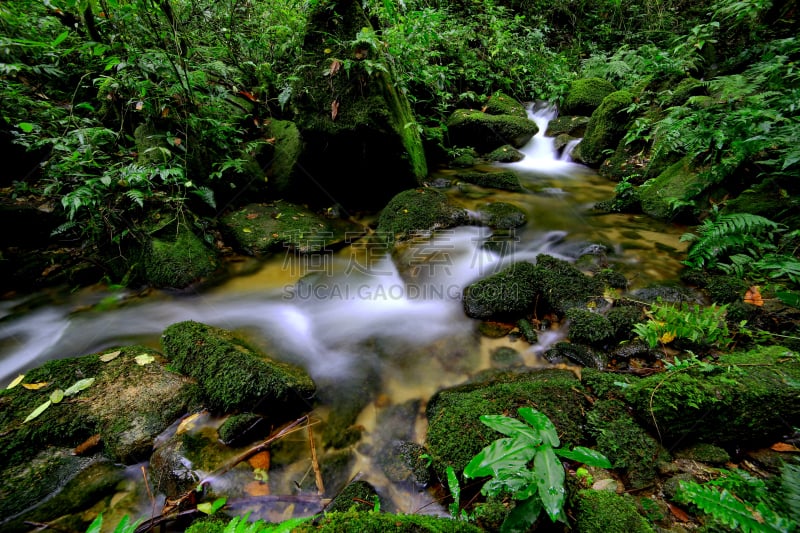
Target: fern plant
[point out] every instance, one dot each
(700, 325)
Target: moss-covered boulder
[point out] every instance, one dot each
(352, 120)
(585, 95)
(502, 104)
(357, 521)
(602, 511)
(502, 215)
(681, 181)
(287, 146)
(562, 286)
(486, 132)
(749, 398)
(456, 434)
(571, 125)
(175, 258)
(505, 154)
(504, 180)
(419, 210)
(235, 376)
(589, 327)
(606, 127)
(259, 229)
(510, 293)
(127, 402)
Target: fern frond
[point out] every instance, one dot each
(136, 196)
(790, 489)
(731, 232)
(724, 507)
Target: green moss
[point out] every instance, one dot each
(287, 147)
(371, 522)
(233, 375)
(626, 444)
(601, 511)
(606, 127)
(455, 433)
(176, 261)
(485, 132)
(685, 89)
(505, 154)
(623, 318)
(502, 104)
(575, 353)
(528, 331)
(562, 286)
(502, 215)
(237, 426)
(585, 95)
(418, 210)
(680, 181)
(259, 229)
(588, 327)
(750, 398)
(726, 289)
(358, 495)
(504, 180)
(508, 294)
(705, 453)
(574, 126)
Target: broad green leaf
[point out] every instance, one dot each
(521, 483)
(79, 386)
(586, 456)
(512, 427)
(502, 454)
(144, 359)
(550, 480)
(540, 421)
(56, 396)
(60, 39)
(16, 381)
(36, 412)
(789, 298)
(27, 127)
(211, 508)
(455, 490)
(96, 525)
(522, 516)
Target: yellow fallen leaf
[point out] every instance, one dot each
(667, 337)
(247, 230)
(188, 423)
(106, 357)
(144, 359)
(35, 386)
(16, 381)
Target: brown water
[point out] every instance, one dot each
(364, 317)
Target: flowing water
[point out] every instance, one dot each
(363, 313)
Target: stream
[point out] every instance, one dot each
(364, 317)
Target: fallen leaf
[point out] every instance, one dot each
(784, 447)
(56, 396)
(87, 446)
(177, 141)
(335, 66)
(165, 112)
(106, 357)
(35, 386)
(753, 296)
(188, 423)
(247, 230)
(257, 488)
(667, 337)
(144, 359)
(36, 412)
(16, 381)
(678, 513)
(251, 216)
(361, 53)
(79, 386)
(248, 96)
(334, 109)
(271, 140)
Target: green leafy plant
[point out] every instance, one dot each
(507, 462)
(124, 525)
(666, 322)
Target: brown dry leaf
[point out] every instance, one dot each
(678, 513)
(753, 296)
(251, 216)
(177, 141)
(87, 446)
(361, 53)
(271, 140)
(49, 270)
(260, 460)
(335, 66)
(784, 447)
(35, 386)
(334, 109)
(165, 112)
(257, 488)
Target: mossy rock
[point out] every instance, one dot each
(233, 375)
(505, 154)
(562, 286)
(573, 126)
(568, 352)
(606, 127)
(588, 327)
(509, 293)
(623, 318)
(286, 150)
(629, 162)
(685, 89)
(504, 180)
(416, 211)
(175, 259)
(704, 453)
(602, 511)
(504, 357)
(363, 521)
(128, 405)
(259, 229)
(502, 104)
(585, 95)
(456, 434)
(627, 445)
(485, 132)
(502, 215)
(749, 399)
(681, 181)
(241, 427)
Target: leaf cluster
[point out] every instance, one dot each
(702, 325)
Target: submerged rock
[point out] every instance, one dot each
(505, 154)
(233, 375)
(502, 215)
(504, 180)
